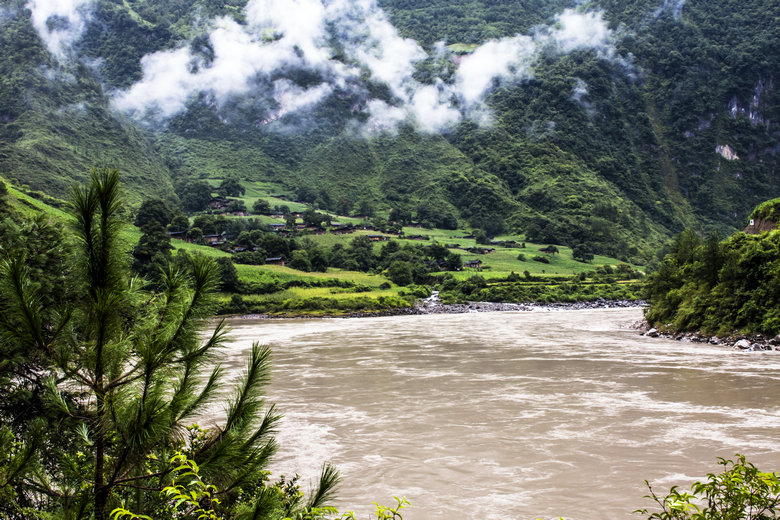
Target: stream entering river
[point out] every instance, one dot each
(516, 415)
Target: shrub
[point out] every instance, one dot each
(740, 492)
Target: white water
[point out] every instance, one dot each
(510, 415)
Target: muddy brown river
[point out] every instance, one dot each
(517, 415)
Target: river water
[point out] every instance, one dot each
(516, 415)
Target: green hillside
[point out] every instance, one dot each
(671, 121)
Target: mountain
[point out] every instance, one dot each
(611, 124)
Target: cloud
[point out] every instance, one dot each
(574, 30)
(59, 23)
(673, 6)
(578, 93)
(509, 58)
(294, 54)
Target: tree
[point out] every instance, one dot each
(400, 272)
(154, 210)
(231, 187)
(195, 235)
(319, 259)
(289, 222)
(125, 376)
(235, 206)
(152, 252)
(481, 237)
(179, 223)
(300, 260)
(365, 208)
(228, 276)
(454, 262)
(194, 195)
(361, 250)
(261, 207)
(582, 253)
(400, 216)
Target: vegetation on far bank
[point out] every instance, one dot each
(377, 265)
(719, 286)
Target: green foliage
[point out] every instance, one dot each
(231, 187)
(121, 373)
(617, 168)
(153, 210)
(228, 278)
(718, 287)
(152, 252)
(740, 492)
(769, 210)
(400, 273)
(261, 206)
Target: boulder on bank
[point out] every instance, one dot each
(742, 344)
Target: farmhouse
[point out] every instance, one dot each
(473, 264)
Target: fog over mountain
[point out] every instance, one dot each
(606, 123)
(343, 44)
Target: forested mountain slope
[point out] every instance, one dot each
(610, 124)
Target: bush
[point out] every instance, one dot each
(740, 492)
(541, 259)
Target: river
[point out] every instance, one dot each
(515, 415)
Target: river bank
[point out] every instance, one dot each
(434, 305)
(744, 342)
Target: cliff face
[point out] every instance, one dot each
(758, 226)
(764, 218)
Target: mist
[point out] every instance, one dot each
(59, 23)
(671, 6)
(344, 48)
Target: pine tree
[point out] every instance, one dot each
(128, 371)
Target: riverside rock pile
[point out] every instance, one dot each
(754, 343)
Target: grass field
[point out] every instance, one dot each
(338, 291)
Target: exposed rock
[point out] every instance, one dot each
(742, 344)
(775, 340)
(653, 333)
(727, 152)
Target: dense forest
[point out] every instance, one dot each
(720, 286)
(661, 115)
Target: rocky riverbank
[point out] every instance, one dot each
(434, 305)
(746, 343)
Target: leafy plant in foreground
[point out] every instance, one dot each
(740, 492)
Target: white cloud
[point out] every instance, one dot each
(59, 23)
(509, 58)
(284, 37)
(673, 6)
(575, 30)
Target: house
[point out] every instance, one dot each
(473, 264)
(275, 260)
(276, 227)
(219, 202)
(378, 238)
(214, 240)
(416, 237)
(479, 250)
